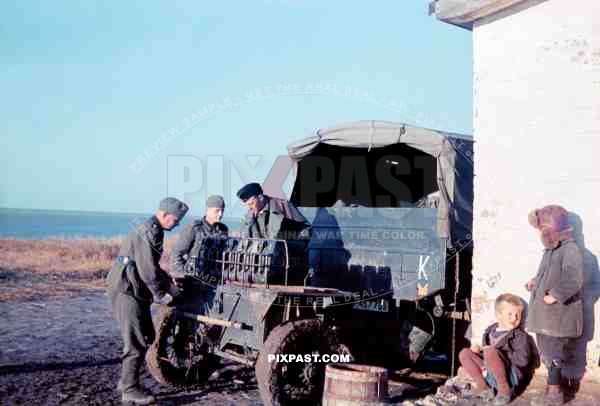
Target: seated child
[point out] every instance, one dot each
(507, 357)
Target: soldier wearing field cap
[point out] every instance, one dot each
(134, 282)
(209, 226)
(270, 217)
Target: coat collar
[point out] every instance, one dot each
(553, 241)
(265, 209)
(509, 334)
(205, 224)
(154, 222)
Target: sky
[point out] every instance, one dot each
(110, 106)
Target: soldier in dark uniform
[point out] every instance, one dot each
(134, 282)
(271, 217)
(277, 219)
(209, 226)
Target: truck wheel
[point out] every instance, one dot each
(179, 354)
(295, 383)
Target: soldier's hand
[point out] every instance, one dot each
(177, 275)
(165, 299)
(177, 286)
(175, 290)
(178, 279)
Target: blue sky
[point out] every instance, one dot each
(87, 88)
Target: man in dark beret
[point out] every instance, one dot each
(270, 217)
(134, 282)
(249, 190)
(209, 226)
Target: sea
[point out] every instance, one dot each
(50, 224)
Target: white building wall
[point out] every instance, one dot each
(537, 132)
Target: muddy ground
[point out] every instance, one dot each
(66, 351)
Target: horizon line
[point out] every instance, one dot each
(89, 211)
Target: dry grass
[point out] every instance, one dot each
(34, 269)
(58, 256)
(38, 269)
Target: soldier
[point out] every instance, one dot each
(271, 217)
(134, 282)
(209, 226)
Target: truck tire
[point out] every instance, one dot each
(166, 356)
(295, 383)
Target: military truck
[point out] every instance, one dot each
(385, 275)
(391, 208)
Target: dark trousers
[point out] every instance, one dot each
(137, 331)
(556, 351)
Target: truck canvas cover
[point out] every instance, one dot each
(386, 200)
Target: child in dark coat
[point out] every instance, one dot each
(507, 359)
(556, 308)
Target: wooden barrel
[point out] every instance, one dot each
(355, 385)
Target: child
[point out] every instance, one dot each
(556, 308)
(507, 354)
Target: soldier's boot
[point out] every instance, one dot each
(137, 396)
(131, 392)
(129, 377)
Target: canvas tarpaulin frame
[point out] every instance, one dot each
(453, 153)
